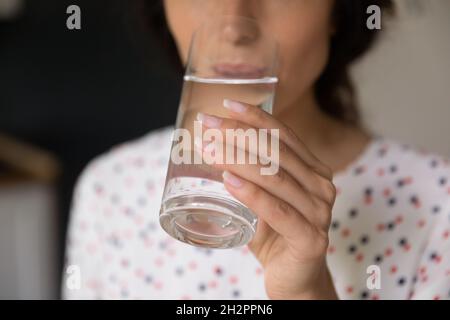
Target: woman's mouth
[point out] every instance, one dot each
(238, 70)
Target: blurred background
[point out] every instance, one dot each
(69, 95)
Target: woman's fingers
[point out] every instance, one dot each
(256, 117)
(278, 214)
(281, 185)
(286, 159)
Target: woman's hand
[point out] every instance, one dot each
(293, 206)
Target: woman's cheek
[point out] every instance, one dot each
(302, 61)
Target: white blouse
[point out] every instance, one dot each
(389, 238)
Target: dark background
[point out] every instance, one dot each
(77, 93)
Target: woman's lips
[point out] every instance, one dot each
(239, 70)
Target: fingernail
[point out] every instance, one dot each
(234, 105)
(231, 179)
(209, 121)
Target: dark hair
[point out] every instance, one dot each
(334, 89)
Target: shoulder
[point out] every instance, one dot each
(398, 173)
(409, 164)
(127, 163)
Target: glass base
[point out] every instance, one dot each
(207, 222)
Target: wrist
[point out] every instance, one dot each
(323, 290)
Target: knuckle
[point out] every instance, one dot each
(234, 124)
(323, 214)
(290, 134)
(259, 114)
(322, 242)
(282, 149)
(251, 193)
(281, 208)
(328, 190)
(326, 171)
(320, 205)
(280, 176)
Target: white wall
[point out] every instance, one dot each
(404, 84)
(28, 247)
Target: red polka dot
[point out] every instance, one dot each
(159, 262)
(388, 252)
(345, 232)
(421, 223)
(393, 269)
(233, 279)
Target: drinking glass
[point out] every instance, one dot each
(230, 57)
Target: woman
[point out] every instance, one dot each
(369, 220)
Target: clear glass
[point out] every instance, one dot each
(230, 58)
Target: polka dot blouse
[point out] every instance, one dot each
(389, 237)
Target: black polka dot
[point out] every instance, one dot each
(236, 293)
(148, 279)
(400, 183)
(393, 168)
(433, 163)
(382, 152)
(142, 202)
(179, 271)
(433, 255)
(352, 248)
(364, 295)
(392, 201)
(401, 281)
(391, 225)
(378, 258)
(364, 239)
(368, 191)
(202, 287)
(353, 213)
(335, 225)
(443, 181)
(115, 199)
(142, 234)
(162, 245)
(436, 209)
(402, 241)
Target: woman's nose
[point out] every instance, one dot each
(241, 24)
